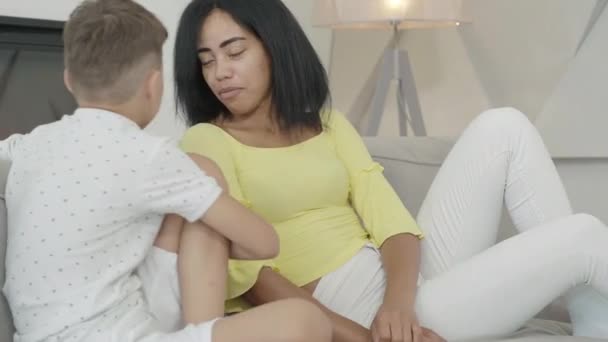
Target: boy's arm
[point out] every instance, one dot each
(192, 187)
(251, 236)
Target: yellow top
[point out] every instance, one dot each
(311, 192)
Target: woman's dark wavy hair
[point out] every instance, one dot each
(299, 86)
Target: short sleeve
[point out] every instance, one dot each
(9, 147)
(374, 199)
(174, 184)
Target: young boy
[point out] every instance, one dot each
(86, 197)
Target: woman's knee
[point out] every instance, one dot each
(580, 233)
(501, 120)
(590, 227)
(204, 238)
(169, 235)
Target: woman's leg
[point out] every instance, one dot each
(496, 291)
(290, 320)
(500, 159)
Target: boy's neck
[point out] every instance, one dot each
(126, 110)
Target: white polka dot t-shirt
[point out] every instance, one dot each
(85, 197)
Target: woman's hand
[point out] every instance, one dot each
(429, 335)
(394, 324)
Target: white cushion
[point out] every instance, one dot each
(3, 175)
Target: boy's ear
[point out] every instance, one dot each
(67, 81)
(154, 84)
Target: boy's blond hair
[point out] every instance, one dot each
(110, 45)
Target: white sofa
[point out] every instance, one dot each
(410, 165)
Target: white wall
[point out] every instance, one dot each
(169, 13)
(167, 122)
(34, 9)
(513, 54)
(449, 91)
(320, 38)
(574, 120)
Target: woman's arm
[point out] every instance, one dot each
(390, 225)
(401, 261)
(396, 319)
(271, 287)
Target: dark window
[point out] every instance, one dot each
(31, 75)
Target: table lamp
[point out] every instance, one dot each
(394, 64)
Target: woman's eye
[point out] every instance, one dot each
(236, 54)
(206, 63)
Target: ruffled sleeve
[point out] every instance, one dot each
(209, 141)
(381, 210)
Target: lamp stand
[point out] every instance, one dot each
(394, 65)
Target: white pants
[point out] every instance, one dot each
(160, 283)
(151, 316)
(473, 287)
(191, 333)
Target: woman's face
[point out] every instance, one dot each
(235, 64)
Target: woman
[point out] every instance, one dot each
(255, 94)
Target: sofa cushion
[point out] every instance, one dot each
(409, 164)
(3, 176)
(6, 321)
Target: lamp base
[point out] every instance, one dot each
(393, 65)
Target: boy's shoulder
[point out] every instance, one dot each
(151, 146)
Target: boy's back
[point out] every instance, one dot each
(86, 197)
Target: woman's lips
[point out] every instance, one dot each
(229, 93)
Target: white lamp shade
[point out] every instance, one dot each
(386, 13)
